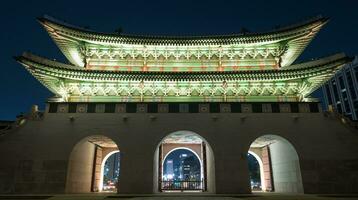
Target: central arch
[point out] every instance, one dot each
(188, 149)
(186, 140)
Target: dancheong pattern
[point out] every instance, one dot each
(247, 67)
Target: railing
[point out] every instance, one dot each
(182, 185)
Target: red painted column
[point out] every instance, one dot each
(97, 169)
(266, 161)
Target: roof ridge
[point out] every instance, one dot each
(179, 37)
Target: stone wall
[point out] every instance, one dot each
(35, 156)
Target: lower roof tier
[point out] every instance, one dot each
(72, 84)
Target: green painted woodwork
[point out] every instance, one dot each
(76, 84)
(254, 51)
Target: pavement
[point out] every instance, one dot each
(260, 196)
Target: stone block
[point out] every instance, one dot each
(310, 188)
(53, 188)
(26, 165)
(7, 174)
(328, 175)
(308, 164)
(350, 164)
(310, 176)
(324, 187)
(29, 188)
(54, 165)
(28, 177)
(55, 176)
(6, 186)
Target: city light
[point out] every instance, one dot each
(182, 165)
(111, 172)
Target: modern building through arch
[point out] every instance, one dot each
(94, 166)
(182, 165)
(184, 161)
(274, 165)
(110, 171)
(256, 172)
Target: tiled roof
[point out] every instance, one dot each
(244, 38)
(296, 80)
(293, 39)
(303, 70)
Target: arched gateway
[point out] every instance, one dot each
(184, 161)
(278, 165)
(93, 166)
(137, 88)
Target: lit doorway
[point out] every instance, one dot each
(184, 162)
(110, 172)
(182, 169)
(274, 165)
(255, 172)
(88, 164)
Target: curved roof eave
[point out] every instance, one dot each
(71, 39)
(57, 24)
(330, 62)
(54, 75)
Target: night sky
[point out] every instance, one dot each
(21, 32)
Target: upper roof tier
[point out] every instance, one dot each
(272, 49)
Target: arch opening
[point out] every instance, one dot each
(256, 172)
(110, 171)
(182, 166)
(183, 162)
(94, 166)
(277, 163)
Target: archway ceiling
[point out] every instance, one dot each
(102, 141)
(263, 141)
(183, 137)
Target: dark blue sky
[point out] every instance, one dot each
(21, 32)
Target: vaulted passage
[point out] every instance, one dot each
(184, 162)
(274, 165)
(94, 166)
